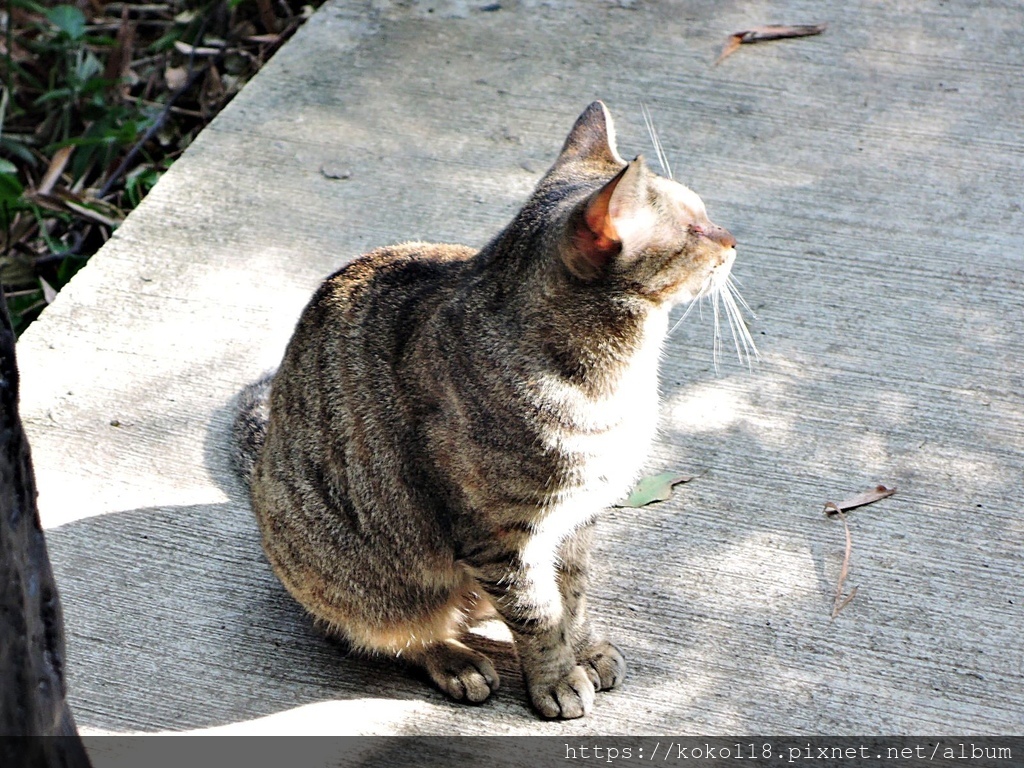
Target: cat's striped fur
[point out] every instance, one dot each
(446, 423)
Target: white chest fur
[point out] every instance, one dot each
(609, 437)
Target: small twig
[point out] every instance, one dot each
(839, 509)
(56, 258)
(5, 216)
(143, 61)
(139, 8)
(176, 110)
(841, 602)
(19, 293)
(3, 105)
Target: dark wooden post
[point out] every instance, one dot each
(36, 727)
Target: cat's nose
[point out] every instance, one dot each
(716, 234)
(720, 235)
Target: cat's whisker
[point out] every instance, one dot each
(741, 333)
(746, 329)
(720, 289)
(716, 346)
(659, 150)
(696, 301)
(682, 317)
(730, 316)
(734, 283)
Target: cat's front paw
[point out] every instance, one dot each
(570, 697)
(604, 664)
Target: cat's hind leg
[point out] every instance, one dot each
(430, 641)
(459, 671)
(455, 668)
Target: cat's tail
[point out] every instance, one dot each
(249, 430)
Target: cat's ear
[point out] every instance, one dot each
(612, 220)
(592, 137)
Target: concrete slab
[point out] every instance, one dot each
(873, 178)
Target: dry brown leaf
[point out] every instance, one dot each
(57, 164)
(89, 213)
(877, 493)
(779, 32)
(49, 202)
(21, 228)
(731, 44)
(89, 208)
(769, 32)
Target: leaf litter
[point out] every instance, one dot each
(97, 100)
(839, 509)
(765, 33)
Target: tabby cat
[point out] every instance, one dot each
(447, 423)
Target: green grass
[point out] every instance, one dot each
(97, 100)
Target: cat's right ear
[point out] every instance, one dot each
(614, 219)
(592, 137)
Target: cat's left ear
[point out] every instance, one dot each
(613, 220)
(591, 138)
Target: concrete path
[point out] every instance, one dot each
(873, 177)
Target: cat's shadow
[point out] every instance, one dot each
(175, 621)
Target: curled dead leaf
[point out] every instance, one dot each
(765, 33)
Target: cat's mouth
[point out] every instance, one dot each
(726, 259)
